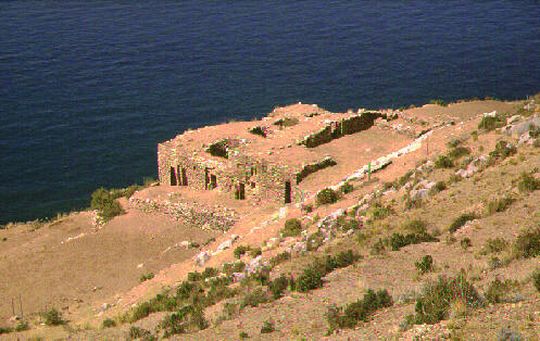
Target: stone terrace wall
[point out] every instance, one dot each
(337, 129)
(203, 216)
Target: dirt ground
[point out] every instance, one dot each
(74, 266)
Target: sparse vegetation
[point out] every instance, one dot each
(444, 161)
(465, 243)
(489, 123)
(146, 277)
(140, 333)
(528, 183)
(327, 196)
(424, 265)
(502, 291)
(311, 277)
(361, 310)
(267, 327)
(499, 204)
(241, 250)
(105, 203)
(439, 102)
(508, 334)
(292, 228)
(438, 187)
(536, 279)
(108, 323)
(503, 150)
(347, 187)
(460, 221)
(495, 245)
(258, 130)
(527, 244)
(434, 303)
(287, 122)
(52, 317)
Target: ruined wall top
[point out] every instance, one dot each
(276, 138)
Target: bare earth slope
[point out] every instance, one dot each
(90, 274)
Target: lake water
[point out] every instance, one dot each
(87, 89)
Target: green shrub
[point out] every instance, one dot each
(361, 310)
(377, 211)
(346, 188)
(53, 317)
(424, 265)
(105, 203)
(415, 226)
(444, 161)
(267, 327)
(398, 240)
(457, 152)
(439, 187)
(254, 298)
(311, 278)
(219, 148)
(230, 268)
(499, 205)
(460, 221)
(503, 150)
(439, 102)
(527, 244)
(292, 228)
(258, 130)
(186, 319)
(345, 223)
(5, 330)
(314, 241)
(21, 326)
(453, 143)
(528, 183)
(287, 122)
(254, 252)
(495, 245)
(108, 323)
(465, 243)
(280, 258)
(241, 250)
(327, 196)
(278, 286)
(146, 277)
(536, 279)
(140, 333)
(489, 123)
(436, 298)
(501, 291)
(243, 335)
(405, 178)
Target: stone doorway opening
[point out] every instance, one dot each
(173, 177)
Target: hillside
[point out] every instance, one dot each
(440, 239)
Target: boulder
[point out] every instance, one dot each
(202, 258)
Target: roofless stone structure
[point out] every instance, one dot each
(261, 160)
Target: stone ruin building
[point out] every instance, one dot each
(262, 160)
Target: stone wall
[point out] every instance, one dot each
(340, 128)
(202, 216)
(314, 167)
(257, 179)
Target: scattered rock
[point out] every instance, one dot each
(201, 258)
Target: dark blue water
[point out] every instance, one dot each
(87, 89)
